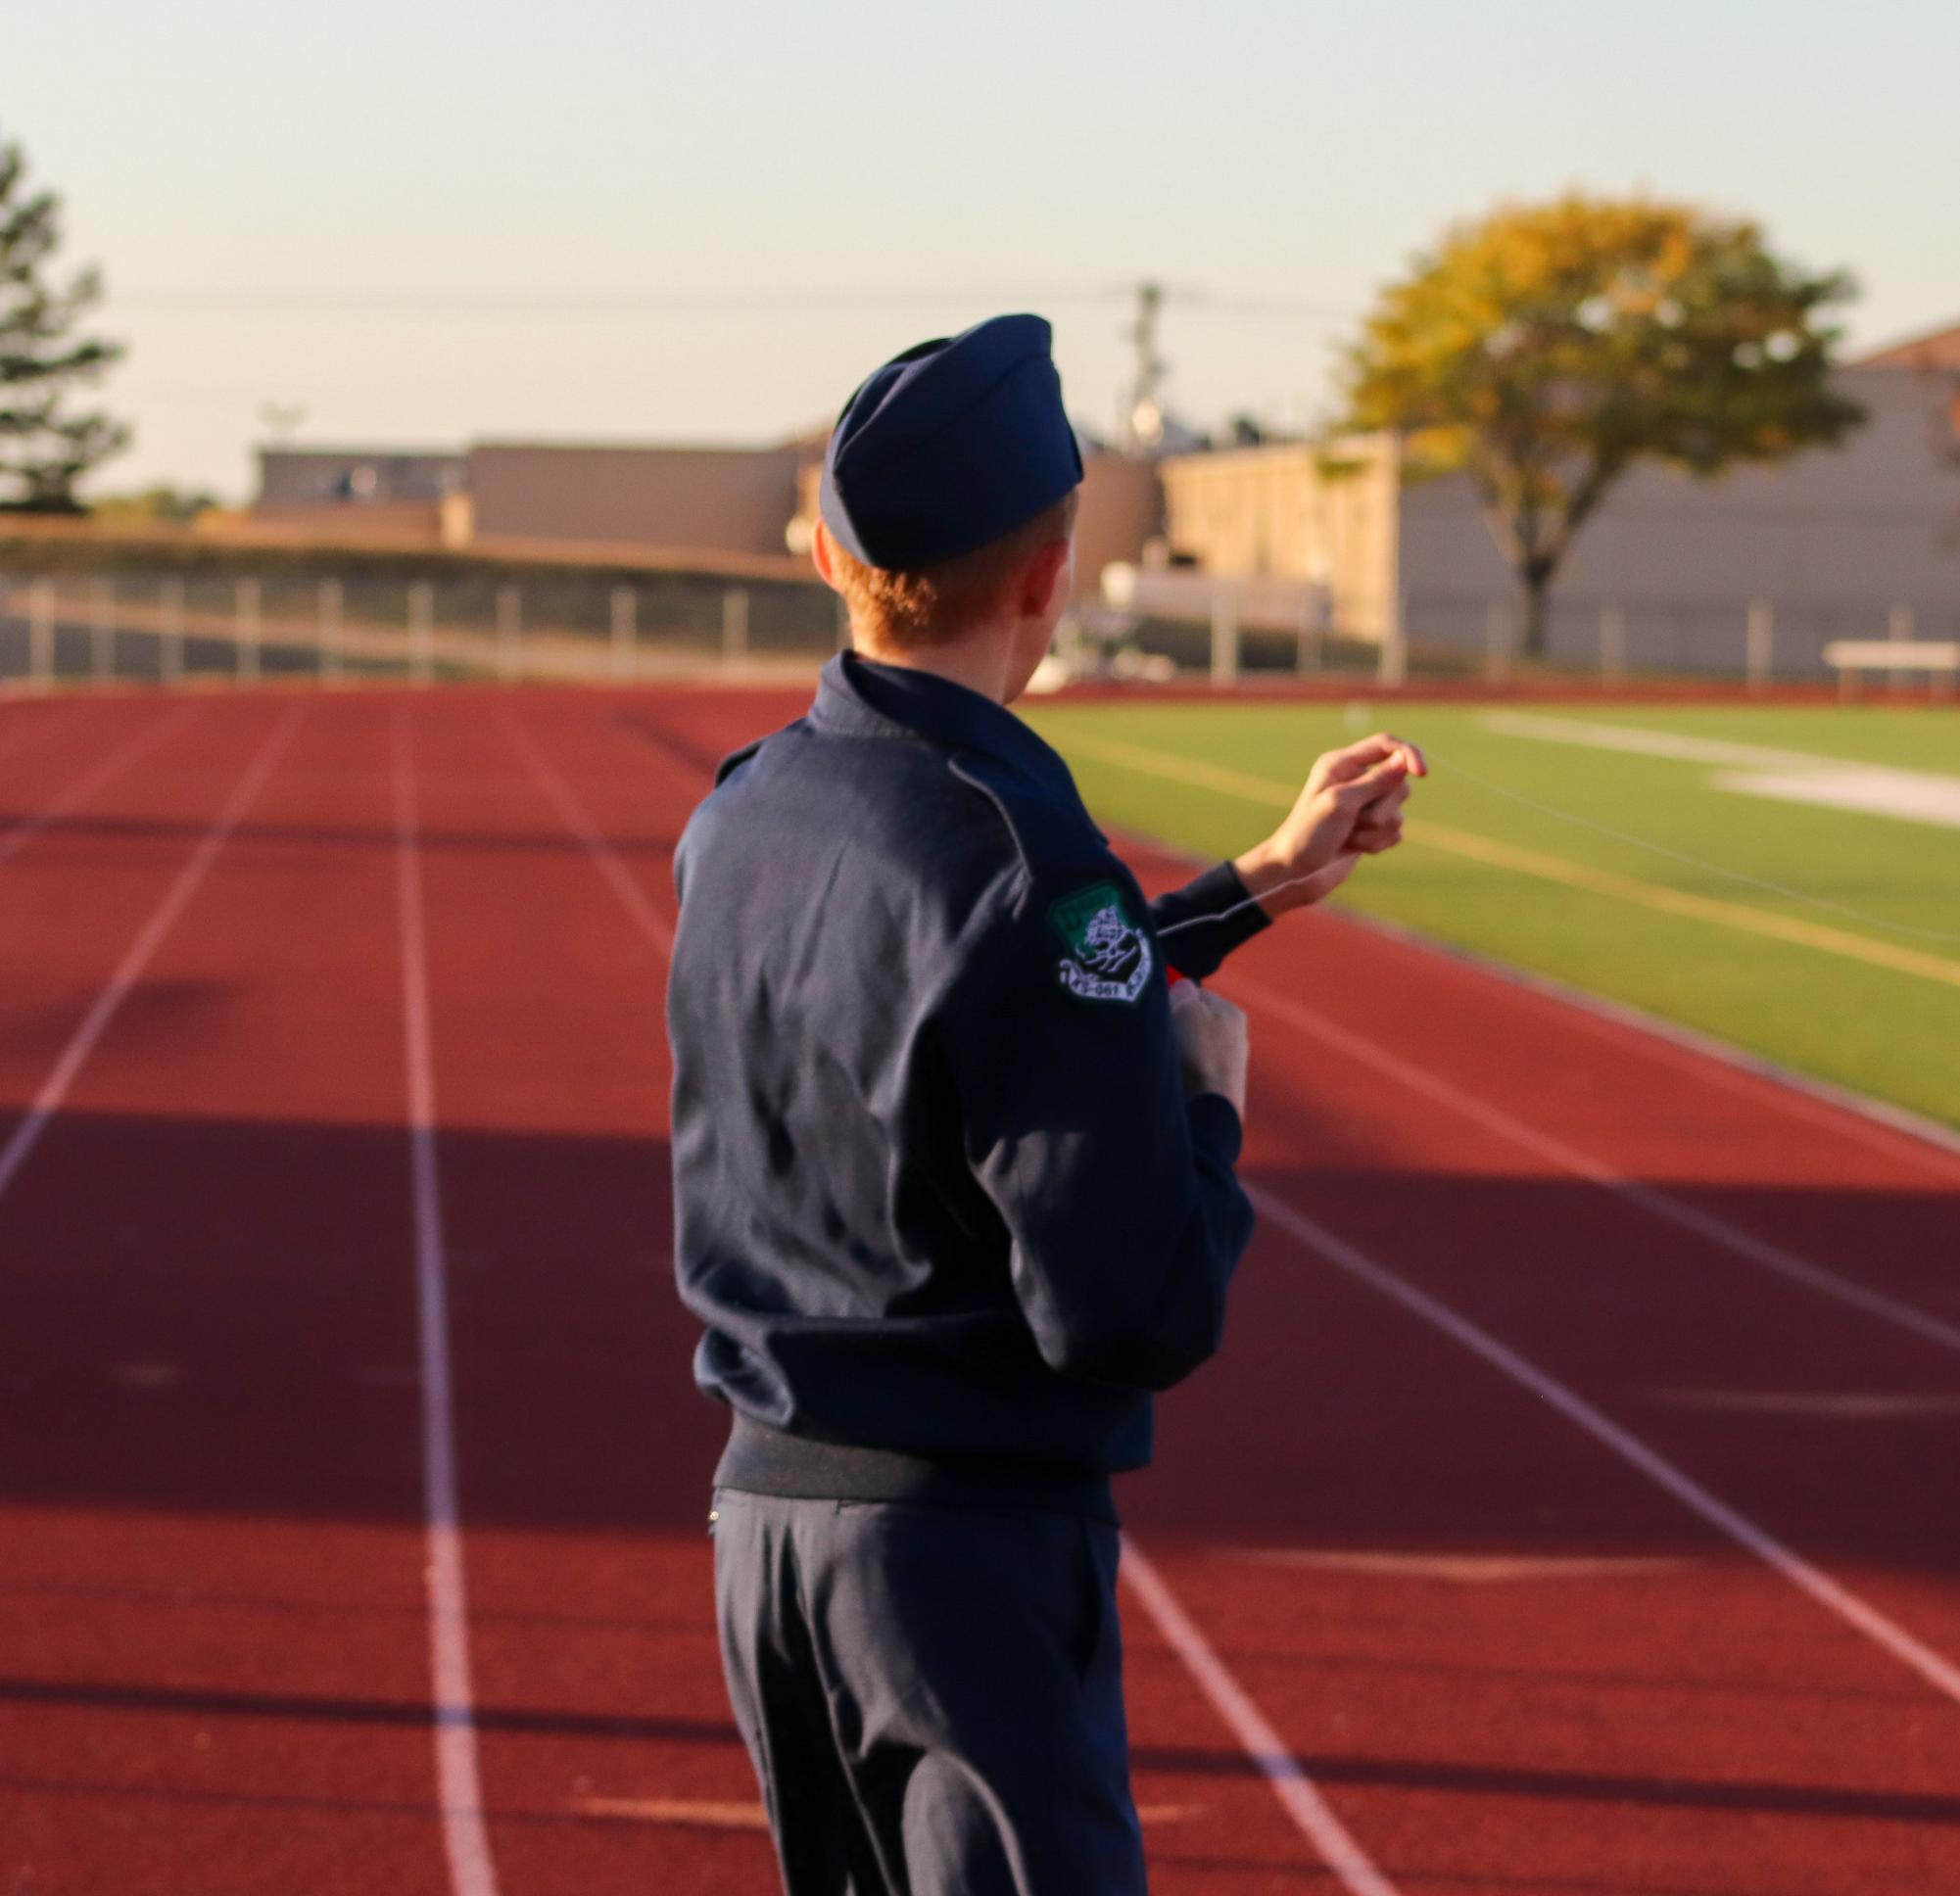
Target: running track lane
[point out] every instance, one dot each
(1845, 1828)
(1861, 1477)
(584, 1453)
(213, 1618)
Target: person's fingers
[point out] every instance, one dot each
(1228, 1016)
(1378, 779)
(1350, 760)
(1385, 743)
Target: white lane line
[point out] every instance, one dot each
(459, 1784)
(1290, 1783)
(1297, 1793)
(98, 776)
(576, 818)
(1650, 1199)
(1838, 1600)
(138, 956)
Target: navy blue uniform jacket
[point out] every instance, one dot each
(940, 1199)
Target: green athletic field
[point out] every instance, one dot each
(1495, 863)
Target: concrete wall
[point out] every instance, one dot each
(1833, 540)
(1324, 515)
(709, 500)
(1121, 508)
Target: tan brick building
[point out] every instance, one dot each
(1328, 517)
(1853, 540)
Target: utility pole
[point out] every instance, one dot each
(1143, 418)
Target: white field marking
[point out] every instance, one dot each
(1883, 1127)
(1646, 743)
(1879, 1405)
(1297, 1793)
(459, 1784)
(1272, 795)
(1911, 796)
(1838, 1600)
(104, 771)
(138, 956)
(1759, 770)
(1650, 1199)
(1462, 1569)
(1290, 1783)
(576, 818)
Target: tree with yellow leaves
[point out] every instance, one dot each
(1548, 349)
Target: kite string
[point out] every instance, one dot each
(1737, 876)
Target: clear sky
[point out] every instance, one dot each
(832, 180)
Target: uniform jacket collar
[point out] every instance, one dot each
(857, 697)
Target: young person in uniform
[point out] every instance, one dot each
(953, 1167)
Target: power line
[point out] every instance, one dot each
(651, 303)
(577, 302)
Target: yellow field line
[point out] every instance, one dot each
(1550, 869)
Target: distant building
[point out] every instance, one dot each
(1940, 350)
(395, 492)
(1858, 540)
(1325, 517)
(691, 499)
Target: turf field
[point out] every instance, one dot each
(1528, 848)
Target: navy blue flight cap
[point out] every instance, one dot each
(949, 446)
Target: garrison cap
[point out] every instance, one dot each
(949, 446)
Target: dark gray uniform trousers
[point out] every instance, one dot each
(933, 1695)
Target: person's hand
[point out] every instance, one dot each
(1212, 1043)
(1350, 807)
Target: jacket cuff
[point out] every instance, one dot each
(1205, 904)
(1214, 1128)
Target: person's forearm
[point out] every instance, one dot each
(1266, 876)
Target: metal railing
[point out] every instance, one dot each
(169, 631)
(82, 627)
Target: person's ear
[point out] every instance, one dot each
(820, 551)
(1040, 576)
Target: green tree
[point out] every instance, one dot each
(45, 446)
(1549, 347)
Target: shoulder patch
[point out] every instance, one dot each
(1108, 955)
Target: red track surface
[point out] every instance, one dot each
(1509, 1658)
